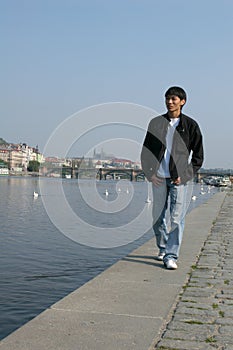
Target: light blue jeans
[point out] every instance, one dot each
(169, 209)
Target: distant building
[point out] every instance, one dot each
(56, 161)
(18, 156)
(102, 155)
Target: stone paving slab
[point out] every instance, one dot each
(84, 331)
(129, 305)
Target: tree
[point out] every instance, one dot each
(3, 163)
(3, 142)
(34, 166)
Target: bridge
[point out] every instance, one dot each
(98, 173)
(213, 172)
(119, 173)
(115, 173)
(109, 173)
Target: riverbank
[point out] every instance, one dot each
(128, 306)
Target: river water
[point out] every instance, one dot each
(38, 264)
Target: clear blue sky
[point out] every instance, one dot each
(58, 57)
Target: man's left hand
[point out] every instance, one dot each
(177, 181)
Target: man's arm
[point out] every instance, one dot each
(197, 155)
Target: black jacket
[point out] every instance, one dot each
(187, 141)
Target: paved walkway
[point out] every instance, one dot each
(136, 304)
(203, 317)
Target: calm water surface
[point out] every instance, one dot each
(38, 264)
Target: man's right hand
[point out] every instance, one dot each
(157, 181)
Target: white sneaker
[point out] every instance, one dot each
(160, 256)
(171, 264)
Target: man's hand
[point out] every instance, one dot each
(157, 181)
(177, 181)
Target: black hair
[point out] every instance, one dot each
(177, 91)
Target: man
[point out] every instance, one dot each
(171, 140)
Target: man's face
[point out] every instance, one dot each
(174, 103)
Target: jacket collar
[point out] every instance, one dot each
(169, 119)
(180, 125)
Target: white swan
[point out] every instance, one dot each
(148, 200)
